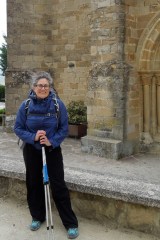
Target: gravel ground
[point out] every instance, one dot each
(15, 219)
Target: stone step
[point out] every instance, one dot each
(103, 147)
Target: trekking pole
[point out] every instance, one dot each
(49, 223)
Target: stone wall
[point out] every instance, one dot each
(96, 50)
(51, 36)
(47, 36)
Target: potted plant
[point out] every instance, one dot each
(77, 117)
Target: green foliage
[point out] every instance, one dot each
(2, 93)
(2, 111)
(3, 56)
(77, 112)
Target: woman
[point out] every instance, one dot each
(41, 125)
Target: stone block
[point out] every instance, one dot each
(103, 147)
(141, 217)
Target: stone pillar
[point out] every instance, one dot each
(106, 96)
(158, 104)
(151, 102)
(146, 82)
(154, 106)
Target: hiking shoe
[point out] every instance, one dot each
(72, 233)
(35, 225)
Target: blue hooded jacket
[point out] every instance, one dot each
(41, 115)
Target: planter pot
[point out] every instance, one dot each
(78, 130)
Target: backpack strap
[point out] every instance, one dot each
(27, 105)
(56, 105)
(56, 108)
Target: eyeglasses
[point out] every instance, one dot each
(40, 86)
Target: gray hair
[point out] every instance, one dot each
(37, 76)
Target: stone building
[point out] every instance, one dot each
(105, 52)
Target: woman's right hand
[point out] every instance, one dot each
(39, 134)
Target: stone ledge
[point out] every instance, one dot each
(94, 183)
(112, 187)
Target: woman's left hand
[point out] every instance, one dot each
(44, 141)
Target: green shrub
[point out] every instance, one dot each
(2, 93)
(2, 111)
(77, 112)
(3, 56)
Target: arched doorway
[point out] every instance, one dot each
(148, 59)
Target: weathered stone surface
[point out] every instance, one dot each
(92, 35)
(118, 192)
(108, 148)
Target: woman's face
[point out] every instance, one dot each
(42, 88)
